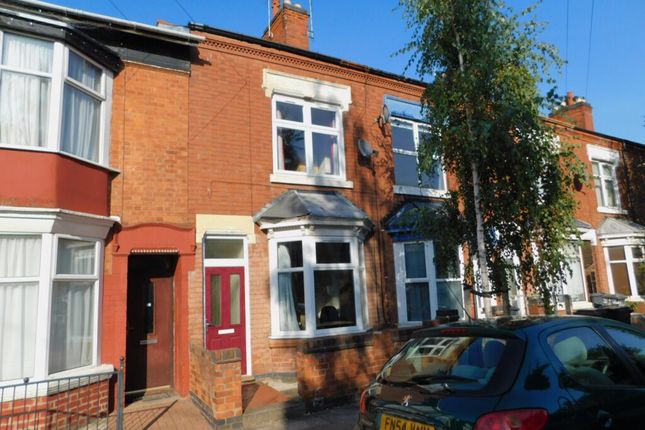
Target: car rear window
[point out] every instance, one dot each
(463, 362)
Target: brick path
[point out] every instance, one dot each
(164, 414)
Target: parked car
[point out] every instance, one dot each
(512, 373)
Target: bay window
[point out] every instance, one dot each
(52, 98)
(423, 284)
(48, 304)
(627, 268)
(316, 285)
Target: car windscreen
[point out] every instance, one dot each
(467, 363)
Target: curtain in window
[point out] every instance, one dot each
(80, 124)
(72, 325)
(286, 301)
(24, 98)
(75, 257)
(417, 297)
(19, 258)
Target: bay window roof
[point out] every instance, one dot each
(620, 227)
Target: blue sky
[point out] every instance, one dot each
(369, 32)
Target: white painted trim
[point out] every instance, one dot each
(602, 154)
(608, 210)
(304, 179)
(418, 191)
(274, 82)
(40, 220)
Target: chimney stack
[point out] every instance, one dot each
(289, 25)
(576, 111)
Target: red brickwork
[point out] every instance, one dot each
(216, 381)
(74, 408)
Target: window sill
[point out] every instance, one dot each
(280, 339)
(606, 210)
(320, 181)
(418, 191)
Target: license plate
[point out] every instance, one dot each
(388, 422)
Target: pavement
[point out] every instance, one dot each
(338, 418)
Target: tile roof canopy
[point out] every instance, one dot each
(313, 204)
(583, 225)
(616, 226)
(406, 216)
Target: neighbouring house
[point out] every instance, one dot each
(211, 205)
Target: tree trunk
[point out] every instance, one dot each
(481, 244)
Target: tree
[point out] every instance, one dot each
(515, 199)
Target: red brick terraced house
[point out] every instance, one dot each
(213, 206)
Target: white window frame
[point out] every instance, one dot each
(629, 260)
(309, 241)
(48, 261)
(58, 79)
(308, 177)
(431, 278)
(565, 286)
(610, 158)
(419, 190)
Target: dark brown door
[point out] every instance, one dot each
(149, 355)
(225, 323)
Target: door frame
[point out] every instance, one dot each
(228, 262)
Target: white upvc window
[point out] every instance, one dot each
(626, 267)
(407, 137)
(49, 293)
(422, 286)
(603, 165)
(308, 138)
(52, 98)
(316, 285)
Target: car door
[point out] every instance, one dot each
(607, 390)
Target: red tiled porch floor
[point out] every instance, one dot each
(172, 413)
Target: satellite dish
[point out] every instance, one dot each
(366, 149)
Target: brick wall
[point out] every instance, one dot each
(216, 385)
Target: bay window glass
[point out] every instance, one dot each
(627, 269)
(425, 284)
(316, 290)
(69, 294)
(308, 137)
(407, 138)
(30, 115)
(19, 278)
(25, 85)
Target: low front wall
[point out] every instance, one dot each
(333, 368)
(77, 407)
(216, 384)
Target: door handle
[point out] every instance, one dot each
(605, 419)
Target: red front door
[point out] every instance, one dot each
(225, 324)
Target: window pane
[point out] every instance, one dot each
(216, 300)
(18, 317)
(607, 170)
(417, 299)
(616, 253)
(406, 170)
(325, 149)
(403, 136)
(588, 358)
(19, 256)
(289, 111)
(415, 260)
(75, 257)
(599, 196)
(27, 53)
(450, 296)
(447, 266)
(24, 109)
(81, 114)
(326, 118)
(84, 72)
(574, 283)
(235, 298)
(611, 194)
(289, 254)
(639, 274)
(333, 252)
(150, 307)
(291, 144)
(433, 180)
(224, 248)
(621, 278)
(71, 340)
(291, 300)
(637, 252)
(334, 291)
(633, 344)
(595, 169)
